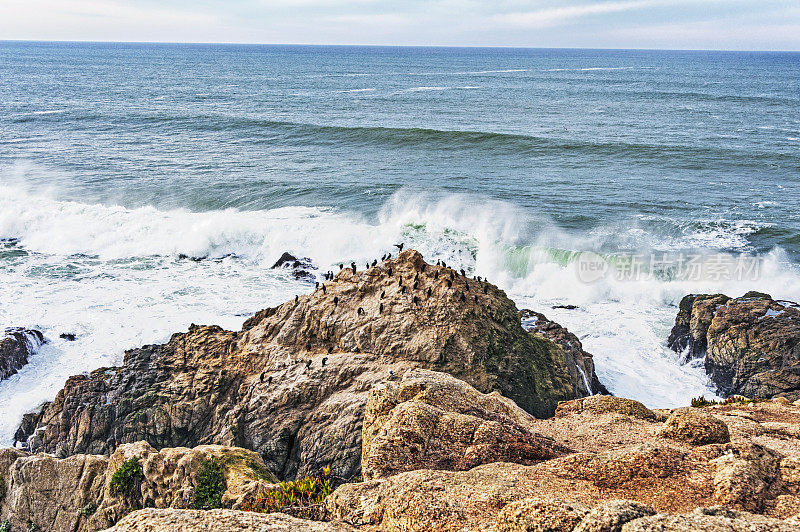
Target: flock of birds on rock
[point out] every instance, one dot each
(449, 277)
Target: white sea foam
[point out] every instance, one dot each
(112, 276)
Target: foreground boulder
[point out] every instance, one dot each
(695, 427)
(751, 344)
(16, 346)
(292, 385)
(150, 520)
(430, 420)
(79, 492)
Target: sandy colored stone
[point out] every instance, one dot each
(540, 515)
(695, 427)
(171, 520)
(603, 404)
(430, 420)
(610, 516)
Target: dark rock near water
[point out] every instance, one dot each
(16, 345)
(293, 384)
(751, 344)
(70, 337)
(301, 268)
(566, 307)
(580, 363)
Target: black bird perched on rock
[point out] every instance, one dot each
(429, 292)
(353, 265)
(295, 299)
(449, 283)
(415, 300)
(316, 285)
(416, 284)
(479, 278)
(400, 246)
(269, 381)
(380, 309)
(367, 268)
(335, 300)
(324, 361)
(330, 350)
(324, 291)
(360, 311)
(463, 273)
(341, 267)
(444, 265)
(308, 364)
(374, 262)
(438, 262)
(383, 294)
(262, 378)
(383, 257)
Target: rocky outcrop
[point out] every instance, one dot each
(627, 475)
(430, 420)
(580, 363)
(16, 345)
(292, 385)
(76, 493)
(150, 520)
(751, 344)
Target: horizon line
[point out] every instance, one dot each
(351, 45)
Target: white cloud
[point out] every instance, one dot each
(543, 18)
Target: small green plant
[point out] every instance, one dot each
(33, 527)
(210, 485)
(125, 479)
(299, 498)
(699, 402)
(89, 509)
(5, 526)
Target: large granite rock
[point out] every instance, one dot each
(751, 344)
(74, 493)
(151, 520)
(292, 385)
(16, 345)
(430, 420)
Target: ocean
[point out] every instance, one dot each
(144, 187)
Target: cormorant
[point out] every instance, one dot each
(330, 350)
(367, 268)
(380, 309)
(316, 285)
(269, 381)
(353, 265)
(341, 266)
(262, 378)
(400, 246)
(360, 311)
(324, 291)
(374, 262)
(429, 292)
(383, 294)
(415, 300)
(438, 262)
(335, 300)
(449, 283)
(444, 265)
(324, 361)
(463, 273)
(308, 364)
(295, 298)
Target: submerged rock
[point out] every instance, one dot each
(301, 268)
(293, 384)
(751, 344)
(16, 345)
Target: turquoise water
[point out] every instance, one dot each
(118, 159)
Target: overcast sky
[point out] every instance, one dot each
(679, 24)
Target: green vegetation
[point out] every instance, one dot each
(699, 402)
(127, 477)
(89, 509)
(300, 498)
(210, 486)
(5, 526)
